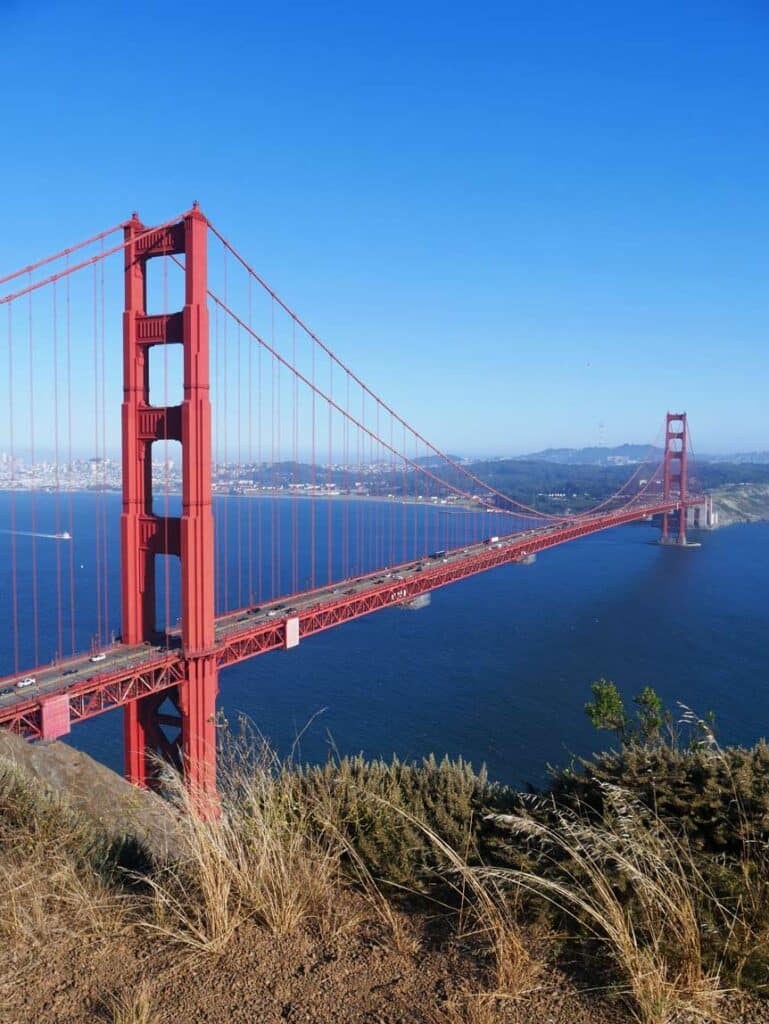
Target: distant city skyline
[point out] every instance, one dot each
(523, 227)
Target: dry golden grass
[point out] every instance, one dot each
(473, 1008)
(397, 926)
(744, 916)
(263, 859)
(45, 899)
(487, 911)
(633, 885)
(49, 860)
(24, 917)
(135, 1008)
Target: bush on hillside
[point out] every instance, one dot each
(376, 804)
(716, 800)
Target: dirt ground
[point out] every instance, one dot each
(355, 978)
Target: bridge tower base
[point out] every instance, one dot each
(177, 725)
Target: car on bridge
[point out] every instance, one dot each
(26, 681)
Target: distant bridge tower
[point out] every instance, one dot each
(184, 730)
(675, 474)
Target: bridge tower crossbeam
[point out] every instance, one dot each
(191, 743)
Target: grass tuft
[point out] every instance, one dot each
(134, 1008)
(630, 883)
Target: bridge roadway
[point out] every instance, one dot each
(127, 673)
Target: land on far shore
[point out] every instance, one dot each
(741, 503)
(740, 489)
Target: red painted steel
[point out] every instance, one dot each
(675, 472)
(54, 716)
(145, 535)
(151, 673)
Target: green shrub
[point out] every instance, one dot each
(718, 800)
(366, 801)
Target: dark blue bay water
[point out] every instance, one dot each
(497, 668)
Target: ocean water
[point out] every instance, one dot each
(497, 668)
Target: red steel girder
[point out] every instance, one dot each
(94, 696)
(238, 643)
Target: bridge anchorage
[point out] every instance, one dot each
(410, 520)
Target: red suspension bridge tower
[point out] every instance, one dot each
(675, 474)
(186, 732)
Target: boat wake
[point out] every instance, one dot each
(46, 536)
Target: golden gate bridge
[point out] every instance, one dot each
(265, 413)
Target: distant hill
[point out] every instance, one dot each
(435, 460)
(762, 458)
(629, 454)
(598, 455)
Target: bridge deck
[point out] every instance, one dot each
(128, 673)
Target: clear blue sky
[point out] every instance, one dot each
(518, 221)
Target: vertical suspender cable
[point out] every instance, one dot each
(404, 499)
(278, 503)
(14, 576)
(97, 530)
(227, 503)
(70, 475)
(260, 453)
(313, 476)
(417, 483)
(294, 470)
(103, 477)
(239, 457)
(250, 521)
(363, 505)
(427, 517)
(56, 470)
(329, 477)
(273, 492)
(377, 464)
(346, 459)
(357, 506)
(448, 544)
(368, 507)
(392, 488)
(33, 507)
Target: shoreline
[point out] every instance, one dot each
(444, 506)
(735, 504)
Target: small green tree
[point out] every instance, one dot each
(649, 714)
(607, 711)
